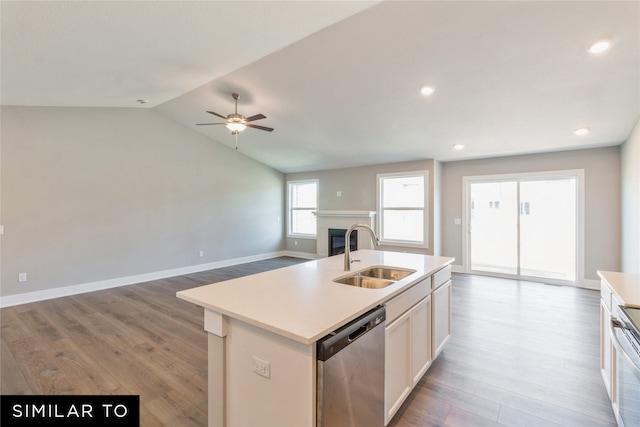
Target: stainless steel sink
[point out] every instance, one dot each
(387, 273)
(364, 281)
(375, 277)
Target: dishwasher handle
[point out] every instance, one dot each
(331, 344)
(361, 330)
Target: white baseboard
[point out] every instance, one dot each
(303, 255)
(584, 283)
(457, 268)
(46, 294)
(590, 284)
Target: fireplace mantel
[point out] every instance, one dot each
(342, 219)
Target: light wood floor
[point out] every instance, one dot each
(521, 353)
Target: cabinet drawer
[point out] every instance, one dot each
(440, 277)
(407, 299)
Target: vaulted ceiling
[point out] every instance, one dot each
(340, 81)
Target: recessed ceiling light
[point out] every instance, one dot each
(582, 131)
(599, 46)
(142, 101)
(427, 90)
(458, 146)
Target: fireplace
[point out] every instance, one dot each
(336, 240)
(342, 220)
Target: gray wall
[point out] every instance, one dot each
(602, 194)
(358, 187)
(630, 158)
(91, 194)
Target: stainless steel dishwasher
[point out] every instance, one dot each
(350, 390)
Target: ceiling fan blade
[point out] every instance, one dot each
(204, 124)
(259, 127)
(219, 115)
(256, 117)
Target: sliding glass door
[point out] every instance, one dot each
(523, 226)
(548, 228)
(494, 227)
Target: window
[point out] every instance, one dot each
(302, 202)
(402, 214)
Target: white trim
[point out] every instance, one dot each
(457, 268)
(290, 209)
(424, 244)
(46, 294)
(590, 284)
(215, 323)
(343, 220)
(345, 214)
(303, 236)
(303, 255)
(580, 222)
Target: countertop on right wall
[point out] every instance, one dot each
(625, 285)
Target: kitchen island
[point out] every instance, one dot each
(262, 331)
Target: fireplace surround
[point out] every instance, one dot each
(342, 220)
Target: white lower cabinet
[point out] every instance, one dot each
(407, 354)
(415, 326)
(441, 318)
(420, 339)
(397, 374)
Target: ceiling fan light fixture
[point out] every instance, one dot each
(599, 46)
(427, 90)
(582, 131)
(236, 122)
(236, 126)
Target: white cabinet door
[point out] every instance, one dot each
(407, 354)
(397, 364)
(420, 339)
(441, 318)
(606, 363)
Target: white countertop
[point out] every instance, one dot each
(625, 285)
(302, 302)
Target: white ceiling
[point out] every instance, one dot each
(339, 81)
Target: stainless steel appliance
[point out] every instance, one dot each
(626, 339)
(350, 374)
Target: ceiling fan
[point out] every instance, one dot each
(237, 122)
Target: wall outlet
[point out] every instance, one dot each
(261, 367)
(339, 193)
(295, 243)
(457, 221)
(201, 254)
(22, 277)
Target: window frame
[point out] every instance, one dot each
(291, 209)
(424, 244)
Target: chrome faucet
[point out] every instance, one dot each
(347, 243)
